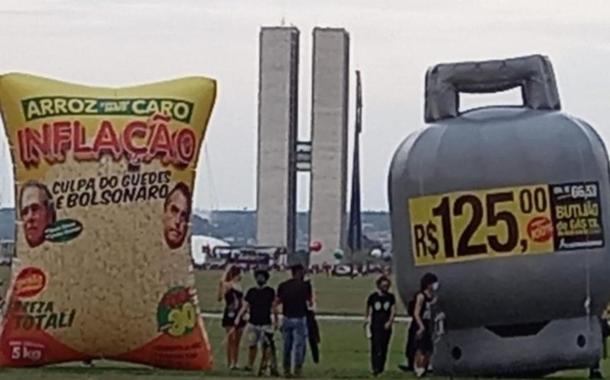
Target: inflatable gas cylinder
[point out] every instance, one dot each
(508, 207)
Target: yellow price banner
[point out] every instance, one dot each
(524, 220)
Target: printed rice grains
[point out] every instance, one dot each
(104, 187)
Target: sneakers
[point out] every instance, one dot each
(298, 372)
(419, 372)
(272, 371)
(405, 368)
(262, 370)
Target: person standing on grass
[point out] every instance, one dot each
(313, 330)
(380, 313)
(230, 291)
(410, 346)
(259, 304)
(422, 317)
(295, 296)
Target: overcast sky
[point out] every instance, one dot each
(126, 42)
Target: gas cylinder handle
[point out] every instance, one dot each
(534, 74)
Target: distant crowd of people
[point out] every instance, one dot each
(334, 270)
(257, 314)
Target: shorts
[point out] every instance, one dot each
(424, 343)
(228, 320)
(259, 334)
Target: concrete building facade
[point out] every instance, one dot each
(277, 136)
(281, 155)
(329, 131)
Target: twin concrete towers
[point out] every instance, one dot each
(281, 155)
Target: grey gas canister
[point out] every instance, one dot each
(508, 206)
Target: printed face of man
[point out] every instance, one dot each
(175, 219)
(36, 215)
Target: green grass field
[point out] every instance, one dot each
(344, 355)
(334, 295)
(344, 349)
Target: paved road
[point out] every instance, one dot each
(321, 317)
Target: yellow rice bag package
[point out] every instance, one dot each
(104, 190)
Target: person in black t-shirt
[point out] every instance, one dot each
(259, 303)
(295, 295)
(380, 313)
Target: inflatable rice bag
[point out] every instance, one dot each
(104, 186)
